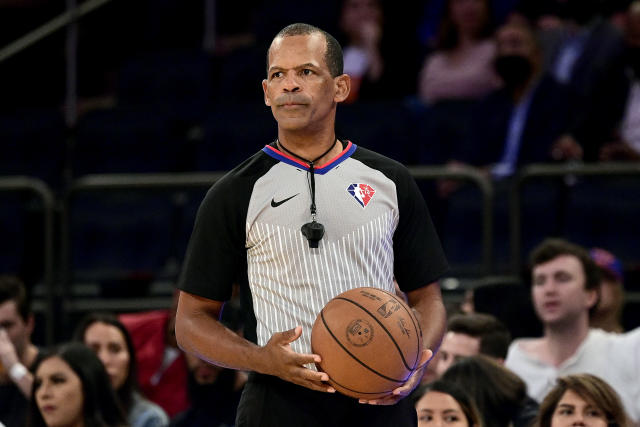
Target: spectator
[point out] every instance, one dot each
(585, 51)
(445, 403)
(501, 396)
(608, 312)
(111, 341)
(214, 393)
(582, 399)
(362, 23)
(626, 142)
(162, 373)
(17, 352)
(564, 291)
(472, 334)
(460, 68)
(72, 388)
(519, 122)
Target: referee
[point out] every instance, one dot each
(306, 218)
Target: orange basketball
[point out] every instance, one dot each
(370, 342)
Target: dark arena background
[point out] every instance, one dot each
(117, 116)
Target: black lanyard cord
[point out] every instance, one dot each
(311, 174)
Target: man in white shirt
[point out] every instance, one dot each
(564, 291)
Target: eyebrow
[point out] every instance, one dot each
(306, 65)
(566, 405)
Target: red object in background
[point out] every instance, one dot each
(148, 332)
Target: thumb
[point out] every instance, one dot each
(425, 357)
(291, 335)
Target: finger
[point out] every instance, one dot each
(317, 386)
(309, 375)
(287, 337)
(425, 357)
(303, 359)
(402, 391)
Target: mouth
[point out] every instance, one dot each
(551, 305)
(48, 409)
(291, 105)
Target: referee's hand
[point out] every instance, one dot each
(285, 363)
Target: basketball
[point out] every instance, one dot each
(369, 340)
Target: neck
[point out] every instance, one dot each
(319, 149)
(563, 340)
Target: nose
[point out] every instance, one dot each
(578, 420)
(291, 83)
(103, 355)
(44, 391)
(442, 365)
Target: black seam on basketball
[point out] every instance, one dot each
(358, 391)
(383, 327)
(416, 326)
(353, 355)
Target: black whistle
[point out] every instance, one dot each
(313, 231)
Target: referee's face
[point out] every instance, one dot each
(299, 87)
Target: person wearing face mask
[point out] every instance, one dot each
(518, 123)
(107, 336)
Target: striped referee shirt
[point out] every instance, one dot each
(247, 231)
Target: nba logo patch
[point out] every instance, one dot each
(362, 193)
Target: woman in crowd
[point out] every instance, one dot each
(71, 388)
(111, 341)
(582, 399)
(500, 395)
(461, 67)
(444, 403)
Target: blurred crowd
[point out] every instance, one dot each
(576, 366)
(495, 84)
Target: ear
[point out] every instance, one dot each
(592, 298)
(267, 101)
(342, 87)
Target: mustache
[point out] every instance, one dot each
(292, 98)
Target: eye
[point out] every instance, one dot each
(58, 379)
(538, 280)
(451, 418)
(594, 413)
(426, 417)
(276, 74)
(564, 411)
(114, 348)
(307, 72)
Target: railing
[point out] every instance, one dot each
(480, 180)
(165, 182)
(546, 171)
(42, 192)
(119, 182)
(186, 181)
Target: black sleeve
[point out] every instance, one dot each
(216, 253)
(418, 255)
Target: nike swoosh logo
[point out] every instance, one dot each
(275, 204)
